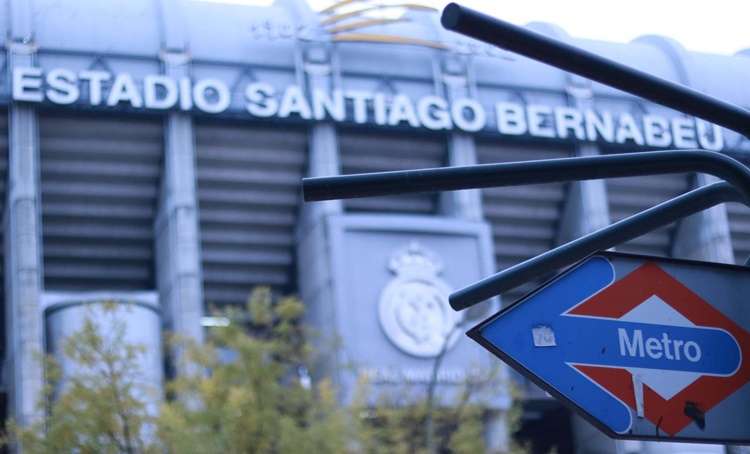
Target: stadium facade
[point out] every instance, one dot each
(153, 151)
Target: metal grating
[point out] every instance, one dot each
(629, 196)
(363, 152)
(99, 182)
(524, 219)
(249, 194)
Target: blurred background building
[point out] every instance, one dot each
(153, 151)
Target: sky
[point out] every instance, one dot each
(715, 26)
(712, 26)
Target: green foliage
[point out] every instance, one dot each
(467, 435)
(402, 430)
(255, 403)
(102, 407)
(457, 429)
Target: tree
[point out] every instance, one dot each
(103, 406)
(260, 400)
(426, 427)
(250, 393)
(256, 402)
(421, 426)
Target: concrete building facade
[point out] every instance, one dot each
(153, 152)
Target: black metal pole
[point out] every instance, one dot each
(529, 172)
(620, 232)
(587, 64)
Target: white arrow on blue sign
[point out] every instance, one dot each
(642, 347)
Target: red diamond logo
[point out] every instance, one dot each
(670, 400)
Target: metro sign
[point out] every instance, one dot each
(644, 347)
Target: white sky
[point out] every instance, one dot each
(714, 26)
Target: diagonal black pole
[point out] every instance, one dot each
(610, 236)
(529, 172)
(592, 66)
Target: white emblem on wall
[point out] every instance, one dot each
(414, 310)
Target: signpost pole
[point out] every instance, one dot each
(562, 256)
(529, 172)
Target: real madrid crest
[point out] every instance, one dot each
(414, 310)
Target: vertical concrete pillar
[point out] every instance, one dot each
(315, 270)
(23, 263)
(452, 76)
(313, 238)
(586, 209)
(465, 204)
(324, 161)
(705, 235)
(318, 74)
(179, 268)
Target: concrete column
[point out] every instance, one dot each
(179, 268)
(313, 244)
(465, 204)
(453, 78)
(705, 235)
(314, 261)
(19, 12)
(318, 73)
(23, 263)
(586, 209)
(324, 162)
(316, 281)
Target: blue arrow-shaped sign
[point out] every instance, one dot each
(629, 345)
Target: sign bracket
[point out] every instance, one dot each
(529, 172)
(639, 224)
